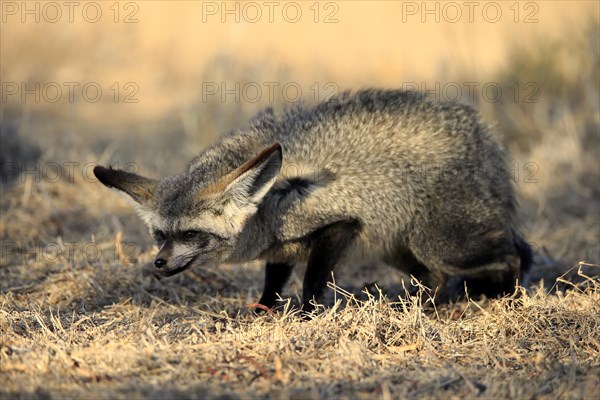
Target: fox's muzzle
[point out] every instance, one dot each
(163, 266)
(171, 271)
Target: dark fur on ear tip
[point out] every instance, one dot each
(277, 147)
(105, 175)
(141, 189)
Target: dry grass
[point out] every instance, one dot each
(82, 315)
(109, 331)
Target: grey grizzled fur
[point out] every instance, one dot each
(386, 174)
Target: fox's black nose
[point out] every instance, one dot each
(160, 262)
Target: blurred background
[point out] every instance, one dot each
(149, 84)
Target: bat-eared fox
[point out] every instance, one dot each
(375, 174)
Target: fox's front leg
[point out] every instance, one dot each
(276, 275)
(328, 248)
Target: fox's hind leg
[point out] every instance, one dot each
(276, 275)
(404, 260)
(484, 266)
(328, 248)
(500, 278)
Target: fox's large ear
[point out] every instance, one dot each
(255, 177)
(140, 189)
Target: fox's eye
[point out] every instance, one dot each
(190, 234)
(159, 236)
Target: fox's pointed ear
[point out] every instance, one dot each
(140, 189)
(251, 181)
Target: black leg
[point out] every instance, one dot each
(276, 275)
(327, 249)
(493, 284)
